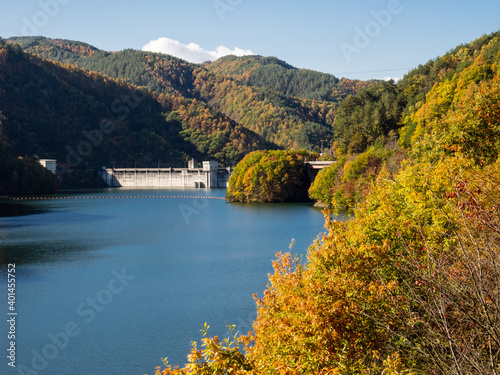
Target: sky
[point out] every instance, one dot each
(357, 39)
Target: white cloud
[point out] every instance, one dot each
(191, 52)
(395, 79)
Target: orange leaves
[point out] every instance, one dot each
(215, 357)
(314, 318)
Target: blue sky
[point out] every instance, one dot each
(355, 39)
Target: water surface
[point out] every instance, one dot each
(110, 286)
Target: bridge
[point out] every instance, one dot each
(318, 164)
(313, 167)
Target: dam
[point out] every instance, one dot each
(206, 177)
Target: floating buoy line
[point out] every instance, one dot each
(69, 197)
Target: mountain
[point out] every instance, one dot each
(434, 90)
(56, 110)
(277, 75)
(289, 107)
(159, 73)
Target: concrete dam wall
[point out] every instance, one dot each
(209, 176)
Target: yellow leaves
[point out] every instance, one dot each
(284, 263)
(377, 290)
(393, 365)
(437, 101)
(452, 101)
(473, 126)
(313, 311)
(269, 176)
(337, 312)
(195, 355)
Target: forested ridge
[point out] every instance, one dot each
(382, 124)
(280, 76)
(290, 107)
(410, 284)
(83, 118)
(378, 125)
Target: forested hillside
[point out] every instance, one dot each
(410, 284)
(279, 76)
(383, 124)
(24, 176)
(84, 118)
(289, 107)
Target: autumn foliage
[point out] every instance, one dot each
(269, 177)
(244, 92)
(411, 283)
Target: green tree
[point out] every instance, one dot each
(269, 176)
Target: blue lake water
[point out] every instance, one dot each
(111, 286)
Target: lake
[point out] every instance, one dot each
(107, 284)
